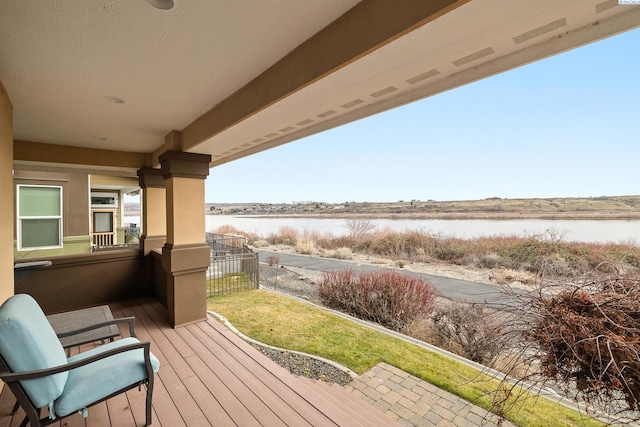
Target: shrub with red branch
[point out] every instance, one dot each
(589, 337)
(390, 299)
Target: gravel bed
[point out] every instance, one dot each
(305, 366)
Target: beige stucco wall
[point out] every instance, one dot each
(186, 216)
(6, 195)
(116, 181)
(154, 205)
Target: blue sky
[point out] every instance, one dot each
(567, 126)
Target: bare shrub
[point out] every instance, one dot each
(311, 235)
(401, 263)
(505, 276)
(343, 253)
(390, 244)
(285, 236)
(421, 328)
(591, 335)
(583, 338)
(229, 229)
(260, 243)
(306, 247)
(358, 228)
(272, 261)
(469, 330)
(553, 265)
(390, 299)
(491, 260)
(451, 249)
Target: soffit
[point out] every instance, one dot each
(61, 60)
(479, 39)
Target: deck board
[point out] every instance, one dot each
(209, 376)
(272, 400)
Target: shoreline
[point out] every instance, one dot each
(573, 216)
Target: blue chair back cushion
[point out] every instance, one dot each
(28, 342)
(95, 381)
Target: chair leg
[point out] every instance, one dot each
(32, 416)
(149, 399)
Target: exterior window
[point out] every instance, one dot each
(39, 217)
(103, 222)
(104, 200)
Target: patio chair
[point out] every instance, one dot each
(35, 367)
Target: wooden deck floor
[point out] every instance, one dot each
(209, 376)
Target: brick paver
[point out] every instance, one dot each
(413, 402)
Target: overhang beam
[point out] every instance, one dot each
(366, 27)
(52, 153)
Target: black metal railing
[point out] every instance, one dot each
(233, 265)
(132, 234)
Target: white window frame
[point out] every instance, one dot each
(93, 220)
(19, 219)
(113, 196)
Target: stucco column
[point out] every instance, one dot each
(7, 220)
(153, 209)
(185, 255)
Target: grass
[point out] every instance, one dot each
(287, 323)
(228, 282)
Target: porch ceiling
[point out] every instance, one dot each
(236, 78)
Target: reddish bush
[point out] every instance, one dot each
(589, 336)
(390, 299)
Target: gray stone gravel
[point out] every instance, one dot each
(305, 366)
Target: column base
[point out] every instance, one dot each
(186, 270)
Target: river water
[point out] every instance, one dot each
(603, 231)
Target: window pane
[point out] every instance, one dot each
(39, 201)
(40, 233)
(108, 200)
(103, 222)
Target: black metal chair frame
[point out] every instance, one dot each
(33, 414)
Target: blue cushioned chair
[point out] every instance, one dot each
(35, 367)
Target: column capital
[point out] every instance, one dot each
(178, 164)
(150, 177)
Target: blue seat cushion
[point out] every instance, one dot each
(27, 343)
(97, 380)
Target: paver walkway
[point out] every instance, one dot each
(414, 402)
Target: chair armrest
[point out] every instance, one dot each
(130, 320)
(9, 377)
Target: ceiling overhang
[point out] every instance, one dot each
(233, 79)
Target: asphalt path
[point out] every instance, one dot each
(448, 287)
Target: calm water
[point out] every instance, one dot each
(572, 230)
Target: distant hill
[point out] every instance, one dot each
(604, 207)
(568, 207)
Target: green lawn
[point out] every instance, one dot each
(229, 282)
(287, 323)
